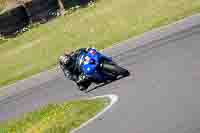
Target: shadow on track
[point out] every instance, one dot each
(104, 84)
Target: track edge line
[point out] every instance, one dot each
(112, 97)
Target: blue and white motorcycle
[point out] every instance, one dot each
(98, 68)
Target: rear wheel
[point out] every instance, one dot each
(84, 85)
(82, 88)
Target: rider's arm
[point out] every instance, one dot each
(68, 74)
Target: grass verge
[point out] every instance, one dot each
(2, 5)
(55, 118)
(100, 25)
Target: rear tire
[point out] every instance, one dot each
(82, 88)
(84, 85)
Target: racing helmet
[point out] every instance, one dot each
(65, 58)
(67, 52)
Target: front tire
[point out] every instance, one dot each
(114, 69)
(122, 71)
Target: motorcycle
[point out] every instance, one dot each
(98, 68)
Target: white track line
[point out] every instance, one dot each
(112, 97)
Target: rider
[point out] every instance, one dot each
(69, 66)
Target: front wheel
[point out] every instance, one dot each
(120, 71)
(114, 69)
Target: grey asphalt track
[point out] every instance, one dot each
(162, 95)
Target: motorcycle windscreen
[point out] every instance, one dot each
(96, 57)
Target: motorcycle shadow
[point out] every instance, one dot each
(104, 84)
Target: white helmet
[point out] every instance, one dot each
(64, 59)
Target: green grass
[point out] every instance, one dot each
(1, 9)
(100, 25)
(55, 118)
(2, 5)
